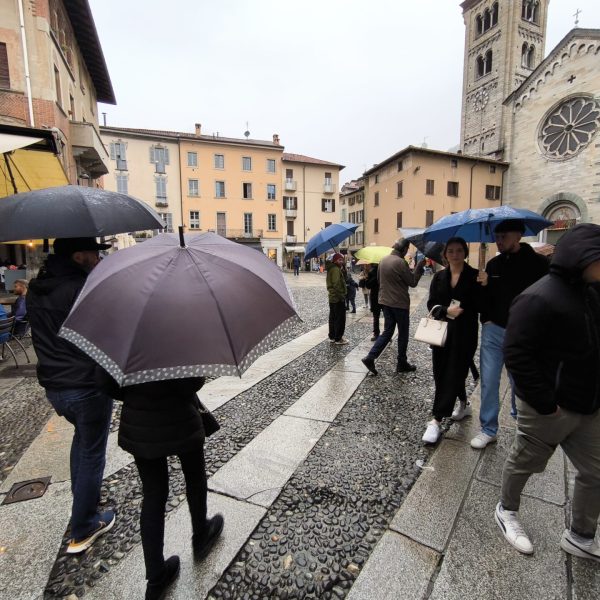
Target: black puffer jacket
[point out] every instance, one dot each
(160, 418)
(552, 342)
(49, 300)
(508, 276)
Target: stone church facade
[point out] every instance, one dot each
(542, 115)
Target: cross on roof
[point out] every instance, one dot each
(576, 15)
(571, 79)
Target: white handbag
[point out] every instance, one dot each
(431, 331)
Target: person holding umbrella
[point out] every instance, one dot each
(336, 289)
(70, 380)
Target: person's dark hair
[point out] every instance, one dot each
(510, 225)
(456, 240)
(401, 245)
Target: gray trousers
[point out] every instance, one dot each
(536, 439)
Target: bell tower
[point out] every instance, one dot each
(504, 43)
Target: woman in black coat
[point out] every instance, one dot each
(455, 294)
(158, 420)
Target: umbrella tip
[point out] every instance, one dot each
(181, 240)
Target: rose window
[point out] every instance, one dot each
(570, 127)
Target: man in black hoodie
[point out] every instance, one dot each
(505, 277)
(69, 378)
(552, 350)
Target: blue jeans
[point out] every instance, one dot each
(391, 318)
(492, 361)
(90, 412)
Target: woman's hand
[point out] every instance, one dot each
(482, 278)
(454, 311)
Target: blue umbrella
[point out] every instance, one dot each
(477, 224)
(328, 238)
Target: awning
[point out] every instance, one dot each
(299, 249)
(28, 160)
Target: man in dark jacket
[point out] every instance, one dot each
(552, 350)
(372, 284)
(395, 277)
(505, 277)
(69, 378)
(336, 290)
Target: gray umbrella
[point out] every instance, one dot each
(73, 211)
(161, 310)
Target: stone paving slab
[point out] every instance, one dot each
(549, 485)
(479, 562)
(268, 461)
(31, 533)
(7, 383)
(324, 400)
(465, 430)
(586, 579)
(429, 512)
(398, 569)
(127, 579)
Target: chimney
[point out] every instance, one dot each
(198, 129)
(276, 139)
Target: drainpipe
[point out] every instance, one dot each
(180, 183)
(26, 63)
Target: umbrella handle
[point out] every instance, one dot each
(482, 256)
(181, 240)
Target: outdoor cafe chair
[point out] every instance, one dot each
(7, 326)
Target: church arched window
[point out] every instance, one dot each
(527, 56)
(530, 10)
(495, 14)
(488, 62)
(531, 57)
(479, 24)
(535, 8)
(487, 19)
(480, 66)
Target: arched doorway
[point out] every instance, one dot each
(566, 210)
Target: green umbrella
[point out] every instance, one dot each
(373, 254)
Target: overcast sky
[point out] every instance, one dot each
(349, 81)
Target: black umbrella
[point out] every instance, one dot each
(431, 250)
(73, 211)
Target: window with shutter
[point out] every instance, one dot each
(4, 71)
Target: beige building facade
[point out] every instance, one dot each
(352, 210)
(417, 186)
(310, 199)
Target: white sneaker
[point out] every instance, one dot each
(508, 521)
(481, 440)
(462, 410)
(341, 342)
(579, 546)
(432, 433)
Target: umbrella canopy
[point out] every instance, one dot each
(373, 254)
(73, 211)
(431, 250)
(328, 238)
(477, 225)
(161, 311)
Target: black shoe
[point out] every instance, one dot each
(157, 590)
(370, 364)
(405, 368)
(202, 543)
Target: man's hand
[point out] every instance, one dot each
(482, 278)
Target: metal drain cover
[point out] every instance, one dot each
(26, 490)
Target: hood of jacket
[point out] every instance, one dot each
(55, 269)
(577, 249)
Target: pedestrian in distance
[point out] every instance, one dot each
(362, 280)
(454, 296)
(161, 419)
(19, 308)
(395, 277)
(336, 290)
(70, 379)
(552, 350)
(351, 287)
(505, 277)
(372, 284)
(296, 262)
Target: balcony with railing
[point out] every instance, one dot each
(289, 185)
(161, 202)
(239, 234)
(291, 239)
(290, 213)
(329, 187)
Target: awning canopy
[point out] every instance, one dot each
(299, 249)
(28, 160)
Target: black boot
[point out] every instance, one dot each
(405, 368)
(203, 542)
(156, 590)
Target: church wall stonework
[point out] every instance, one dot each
(535, 180)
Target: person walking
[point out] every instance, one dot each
(158, 420)
(70, 380)
(454, 296)
(505, 277)
(395, 277)
(372, 284)
(351, 287)
(552, 350)
(296, 263)
(19, 308)
(362, 280)
(336, 289)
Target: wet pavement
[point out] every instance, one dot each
(325, 485)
